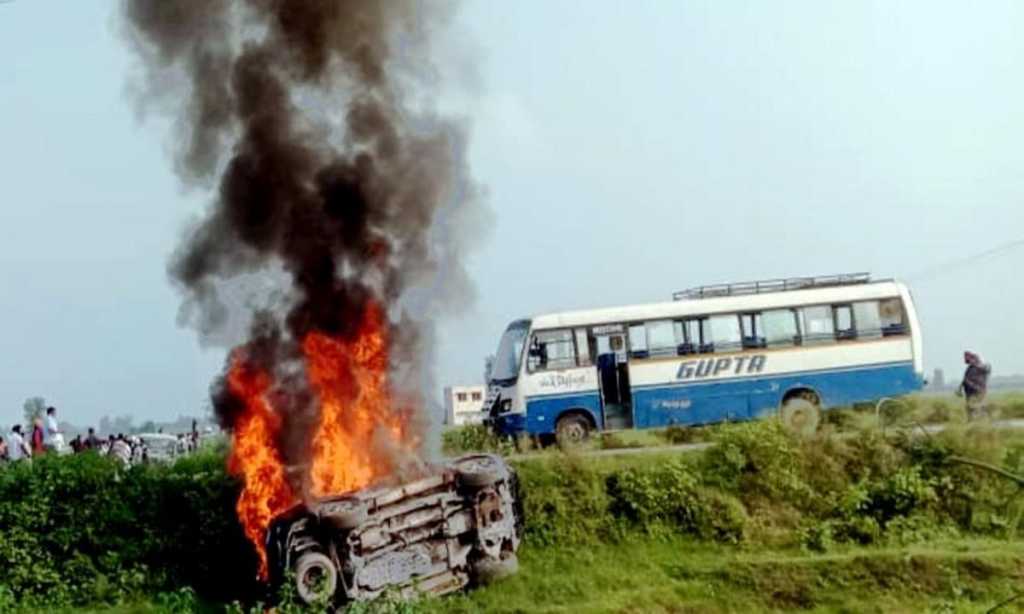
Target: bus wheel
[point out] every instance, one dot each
(800, 416)
(572, 430)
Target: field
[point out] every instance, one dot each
(870, 515)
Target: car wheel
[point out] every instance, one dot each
(572, 431)
(345, 514)
(490, 570)
(480, 470)
(800, 416)
(315, 578)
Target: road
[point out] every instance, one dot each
(931, 429)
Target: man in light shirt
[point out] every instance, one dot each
(17, 447)
(54, 440)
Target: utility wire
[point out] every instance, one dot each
(960, 262)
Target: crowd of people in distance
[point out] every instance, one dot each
(46, 438)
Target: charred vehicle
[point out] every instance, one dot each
(459, 525)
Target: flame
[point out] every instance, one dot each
(255, 457)
(357, 416)
(358, 436)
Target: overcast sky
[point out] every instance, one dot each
(629, 150)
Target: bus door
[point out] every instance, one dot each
(613, 375)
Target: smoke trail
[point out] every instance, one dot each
(337, 186)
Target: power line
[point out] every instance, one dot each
(960, 262)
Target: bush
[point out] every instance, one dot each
(612, 441)
(82, 530)
(474, 438)
(565, 502)
(757, 460)
(677, 435)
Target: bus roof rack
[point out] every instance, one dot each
(771, 285)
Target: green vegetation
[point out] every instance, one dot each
(858, 516)
(80, 530)
(683, 576)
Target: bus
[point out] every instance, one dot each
(729, 352)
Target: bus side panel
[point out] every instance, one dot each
(542, 412)
(742, 398)
(840, 387)
(689, 405)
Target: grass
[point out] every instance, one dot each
(681, 576)
(676, 576)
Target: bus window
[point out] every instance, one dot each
(552, 349)
(817, 325)
(780, 329)
(753, 331)
(692, 340)
(638, 341)
(582, 348)
(661, 338)
(844, 322)
(890, 313)
(868, 320)
(725, 333)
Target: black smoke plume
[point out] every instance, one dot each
(336, 181)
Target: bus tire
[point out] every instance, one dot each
(572, 430)
(800, 416)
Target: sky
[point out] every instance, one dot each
(627, 150)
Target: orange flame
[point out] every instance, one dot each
(356, 441)
(255, 457)
(357, 421)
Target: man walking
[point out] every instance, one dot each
(974, 388)
(92, 442)
(17, 447)
(54, 438)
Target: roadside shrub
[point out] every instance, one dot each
(669, 498)
(756, 459)
(935, 410)
(565, 502)
(653, 495)
(611, 441)
(1011, 406)
(474, 438)
(82, 530)
(677, 435)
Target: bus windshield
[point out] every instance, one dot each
(510, 351)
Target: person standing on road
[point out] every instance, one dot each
(38, 438)
(974, 387)
(54, 438)
(92, 442)
(17, 447)
(121, 450)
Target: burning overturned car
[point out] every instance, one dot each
(459, 525)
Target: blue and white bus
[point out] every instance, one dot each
(789, 347)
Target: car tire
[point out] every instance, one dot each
(316, 578)
(347, 514)
(800, 416)
(480, 470)
(572, 431)
(488, 570)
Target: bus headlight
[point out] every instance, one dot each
(505, 406)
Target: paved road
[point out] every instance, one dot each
(1016, 423)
